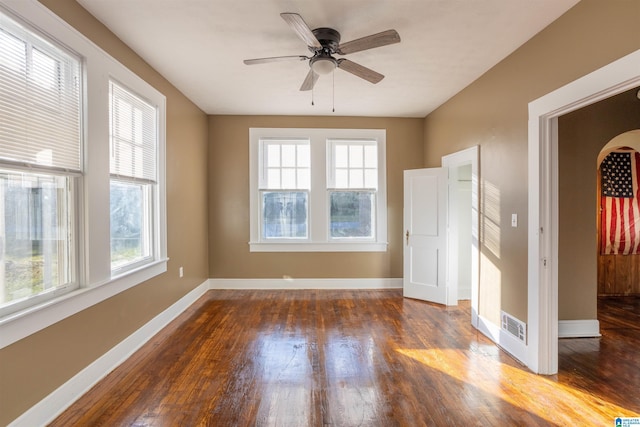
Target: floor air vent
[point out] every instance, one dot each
(514, 326)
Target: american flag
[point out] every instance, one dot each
(619, 203)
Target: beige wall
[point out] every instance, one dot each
(32, 368)
(229, 255)
(492, 112)
(581, 136)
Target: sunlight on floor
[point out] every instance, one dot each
(519, 387)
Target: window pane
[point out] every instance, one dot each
(15, 56)
(134, 139)
(342, 178)
(273, 155)
(304, 179)
(45, 70)
(304, 156)
(355, 156)
(123, 118)
(341, 156)
(288, 155)
(352, 214)
(40, 99)
(370, 156)
(129, 224)
(289, 178)
(35, 218)
(370, 178)
(273, 178)
(284, 215)
(356, 178)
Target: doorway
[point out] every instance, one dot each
(441, 254)
(582, 135)
(619, 213)
(620, 75)
(464, 260)
(460, 194)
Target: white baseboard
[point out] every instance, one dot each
(508, 343)
(51, 406)
(291, 283)
(587, 328)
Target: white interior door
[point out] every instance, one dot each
(425, 239)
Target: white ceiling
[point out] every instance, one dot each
(199, 46)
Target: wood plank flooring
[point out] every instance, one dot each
(357, 358)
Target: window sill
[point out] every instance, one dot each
(318, 247)
(21, 324)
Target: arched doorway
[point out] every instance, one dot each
(619, 216)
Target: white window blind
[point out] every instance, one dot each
(134, 132)
(40, 100)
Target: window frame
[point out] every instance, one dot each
(33, 161)
(318, 210)
(93, 267)
(71, 244)
(265, 187)
(332, 186)
(148, 185)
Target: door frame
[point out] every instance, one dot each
(612, 79)
(469, 156)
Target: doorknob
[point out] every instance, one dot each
(407, 236)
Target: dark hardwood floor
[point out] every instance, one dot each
(358, 358)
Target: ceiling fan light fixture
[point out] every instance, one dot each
(323, 64)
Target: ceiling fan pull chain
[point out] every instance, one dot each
(312, 104)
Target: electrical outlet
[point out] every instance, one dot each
(181, 272)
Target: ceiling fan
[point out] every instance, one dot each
(324, 43)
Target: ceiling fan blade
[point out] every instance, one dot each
(375, 40)
(309, 81)
(360, 71)
(301, 28)
(274, 59)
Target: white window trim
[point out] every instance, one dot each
(318, 214)
(96, 281)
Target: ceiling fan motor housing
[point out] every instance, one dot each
(323, 62)
(328, 38)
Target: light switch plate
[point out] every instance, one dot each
(514, 220)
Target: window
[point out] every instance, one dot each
(40, 166)
(317, 190)
(82, 177)
(133, 140)
(284, 189)
(353, 184)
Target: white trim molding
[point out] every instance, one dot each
(19, 325)
(295, 283)
(614, 78)
(469, 156)
(60, 399)
(584, 328)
